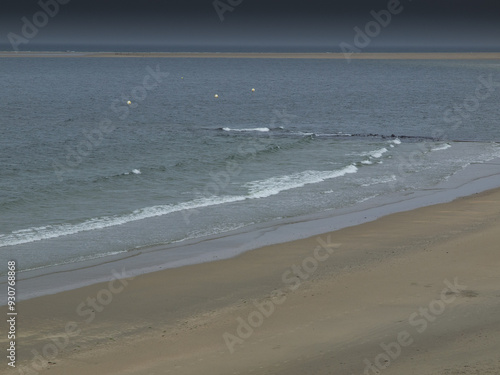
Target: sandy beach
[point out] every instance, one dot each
(250, 188)
(414, 292)
(255, 55)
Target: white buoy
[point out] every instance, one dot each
(216, 96)
(129, 102)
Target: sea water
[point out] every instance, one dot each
(85, 174)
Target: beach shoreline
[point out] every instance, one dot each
(476, 178)
(403, 281)
(300, 315)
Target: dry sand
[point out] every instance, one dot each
(257, 55)
(387, 279)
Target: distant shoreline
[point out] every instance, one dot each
(267, 55)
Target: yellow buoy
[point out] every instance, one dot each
(129, 102)
(253, 90)
(216, 96)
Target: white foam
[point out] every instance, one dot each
(366, 162)
(257, 189)
(442, 147)
(247, 130)
(54, 231)
(134, 171)
(376, 153)
(275, 185)
(396, 141)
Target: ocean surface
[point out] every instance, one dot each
(102, 156)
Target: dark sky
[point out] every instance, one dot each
(314, 24)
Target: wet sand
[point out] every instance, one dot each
(414, 292)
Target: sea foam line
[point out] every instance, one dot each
(442, 147)
(377, 153)
(275, 185)
(256, 190)
(246, 130)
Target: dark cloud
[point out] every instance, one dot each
(147, 8)
(257, 22)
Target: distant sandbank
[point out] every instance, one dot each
(257, 55)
